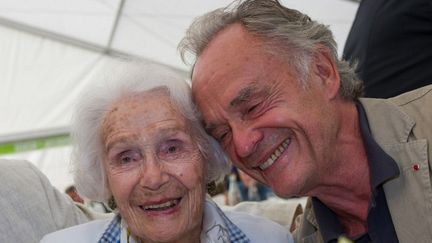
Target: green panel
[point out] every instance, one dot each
(34, 144)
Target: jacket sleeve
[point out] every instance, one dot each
(31, 206)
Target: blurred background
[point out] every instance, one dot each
(50, 48)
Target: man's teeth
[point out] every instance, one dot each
(162, 206)
(275, 155)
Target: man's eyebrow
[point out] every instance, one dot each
(242, 96)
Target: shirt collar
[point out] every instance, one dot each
(382, 166)
(217, 227)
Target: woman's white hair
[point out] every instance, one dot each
(121, 78)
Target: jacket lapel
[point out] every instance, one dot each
(409, 196)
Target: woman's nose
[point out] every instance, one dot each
(153, 175)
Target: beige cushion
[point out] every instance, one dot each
(282, 211)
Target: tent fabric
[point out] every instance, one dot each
(40, 79)
(51, 48)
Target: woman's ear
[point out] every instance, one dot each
(325, 68)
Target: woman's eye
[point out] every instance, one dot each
(172, 149)
(125, 159)
(128, 157)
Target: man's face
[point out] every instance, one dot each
(272, 127)
(155, 170)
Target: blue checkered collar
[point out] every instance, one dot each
(217, 228)
(113, 231)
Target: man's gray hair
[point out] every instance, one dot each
(116, 80)
(284, 31)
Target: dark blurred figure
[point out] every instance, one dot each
(242, 187)
(253, 190)
(71, 191)
(391, 40)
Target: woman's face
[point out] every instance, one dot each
(154, 168)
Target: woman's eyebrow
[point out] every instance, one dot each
(120, 139)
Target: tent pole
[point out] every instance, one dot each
(29, 135)
(115, 25)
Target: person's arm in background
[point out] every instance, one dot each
(30, 206)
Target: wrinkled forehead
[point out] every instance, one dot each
(146, 101)
(230, 56)
(143, 109)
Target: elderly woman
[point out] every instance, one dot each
(140, 146)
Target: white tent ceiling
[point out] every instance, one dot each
(50, 48)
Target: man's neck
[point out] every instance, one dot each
(347, 189)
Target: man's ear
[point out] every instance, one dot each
(325, 68)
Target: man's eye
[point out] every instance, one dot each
(222, 135)
(253, 108)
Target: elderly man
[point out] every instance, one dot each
(274, 94)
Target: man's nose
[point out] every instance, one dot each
(245, 140)
(153, 174)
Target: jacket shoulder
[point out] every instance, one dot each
(412, 96)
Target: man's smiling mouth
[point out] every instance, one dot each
(276, 154)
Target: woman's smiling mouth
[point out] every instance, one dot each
(162, 206)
